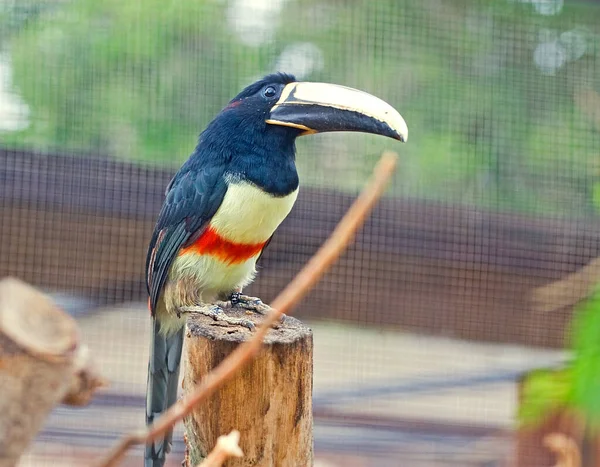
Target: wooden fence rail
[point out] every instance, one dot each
(81, 224)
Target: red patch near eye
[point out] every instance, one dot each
(211, 243)
(234, 104)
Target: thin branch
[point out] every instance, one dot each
(286, 300)
(565, 448)
(568, 290)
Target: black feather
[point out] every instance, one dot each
(192, 200)
(275, 78)
(238, 144)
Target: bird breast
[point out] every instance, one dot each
(224, 256)
(249, 215)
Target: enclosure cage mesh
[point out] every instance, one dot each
(431, 315)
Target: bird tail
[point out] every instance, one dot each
(161, 392)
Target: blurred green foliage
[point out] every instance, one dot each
(545, 393)
(488, 126)
(575, 387)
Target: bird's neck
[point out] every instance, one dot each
(263, 158)
(273, 171)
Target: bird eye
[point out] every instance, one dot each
(269, 91)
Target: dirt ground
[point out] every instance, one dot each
(420, 386)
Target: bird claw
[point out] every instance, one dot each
(249, 303)
(216, 312)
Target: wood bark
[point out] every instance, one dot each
(42, 364)
(269, 401)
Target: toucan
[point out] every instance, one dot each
(224, 204)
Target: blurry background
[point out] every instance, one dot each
(424, 326)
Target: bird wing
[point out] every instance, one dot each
(192, 198)
(262, 252)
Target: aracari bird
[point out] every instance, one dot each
(225, 203)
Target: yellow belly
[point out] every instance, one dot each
(247, 215)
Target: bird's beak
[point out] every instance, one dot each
(322, 107)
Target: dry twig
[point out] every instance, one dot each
(565, 448)
(286, 300)
(568, 290)
(227, 446)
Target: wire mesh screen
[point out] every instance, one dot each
(459, 282)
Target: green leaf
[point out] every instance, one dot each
(586, 362)
(544, 392)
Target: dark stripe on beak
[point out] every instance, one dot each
(315, 118)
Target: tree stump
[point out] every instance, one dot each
(41, 364)
(269, 401)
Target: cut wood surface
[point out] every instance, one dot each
(42, 363)
(269, 401)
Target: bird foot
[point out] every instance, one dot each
(248, 303)
(216, 312)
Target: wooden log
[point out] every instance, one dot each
(269, 401)
(42, 363)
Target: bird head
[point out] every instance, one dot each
(280, 104)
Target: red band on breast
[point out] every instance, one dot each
(211, 243)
